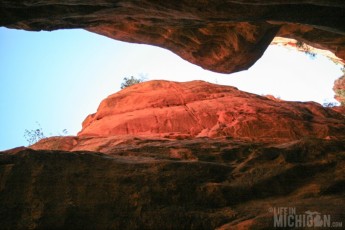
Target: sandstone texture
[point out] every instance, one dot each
(201, 109)
(339, 89)
(199, 183)
(223, 36)
(293, 44)
(169, 155)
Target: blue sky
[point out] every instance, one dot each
(58, 78)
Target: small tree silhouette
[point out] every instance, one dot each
(306, 49)
(329, 104)
(131, 81)
(34, 135)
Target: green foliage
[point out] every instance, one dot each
(64, 132)
(306, 49)
(329, 104)
(299, 44)
(131, 81)
(340, 93)
(34, 135)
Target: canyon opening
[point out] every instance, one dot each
(187, 148)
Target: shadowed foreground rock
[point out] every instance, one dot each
(170, 184)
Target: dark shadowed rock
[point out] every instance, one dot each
(171, 184)
(223, 36)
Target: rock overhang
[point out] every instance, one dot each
(222, 36)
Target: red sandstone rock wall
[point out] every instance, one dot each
(198, 109)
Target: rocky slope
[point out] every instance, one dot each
(223, 36)
(197, 183)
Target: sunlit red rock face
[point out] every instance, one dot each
(219, 35)
(201, 109)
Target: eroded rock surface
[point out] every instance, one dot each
(165, 155)
(171, 184)
(223, 36)
(201, 109)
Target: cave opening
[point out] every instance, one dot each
(58, 78)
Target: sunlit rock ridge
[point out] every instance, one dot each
(202, 109)
(223, 36)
